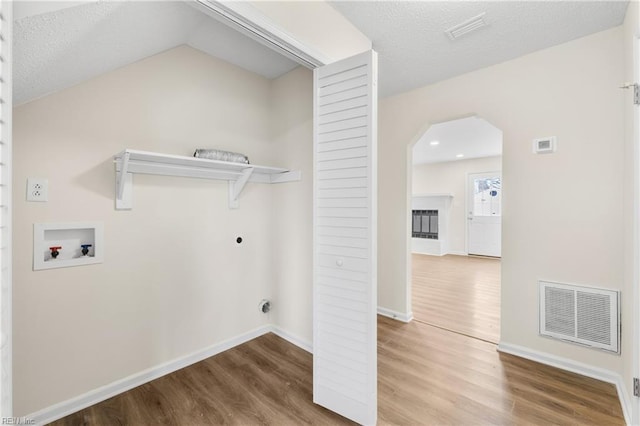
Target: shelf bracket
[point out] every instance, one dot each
(236, 187)
(124, 185)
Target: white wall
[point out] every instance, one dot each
(174, 281)
(451, 178)
(570, 91)
(292, 118)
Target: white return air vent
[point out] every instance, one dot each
(466, 27)
(583, 315)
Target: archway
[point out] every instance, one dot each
(455, 227)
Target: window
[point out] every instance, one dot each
(425, 224)
(487, 197)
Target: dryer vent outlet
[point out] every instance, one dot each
(265, 306)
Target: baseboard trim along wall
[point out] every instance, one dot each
(575, 367)
(404, 317)
(102, 393)
(292, 338)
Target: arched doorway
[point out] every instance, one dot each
(456, 227)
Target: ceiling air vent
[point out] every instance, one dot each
(466, 27)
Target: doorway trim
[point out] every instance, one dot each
(248, 20)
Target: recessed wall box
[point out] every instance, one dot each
(68, 240)
(544, 145)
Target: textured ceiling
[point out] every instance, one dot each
(414, 51)
(57, 46)
(67, 45)
(472, 137)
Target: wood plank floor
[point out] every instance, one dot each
(426, 376)
(458, 293)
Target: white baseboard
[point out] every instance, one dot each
(575, 367)
(404, 317)
(292, 338)
(458, 253)
(102, 393)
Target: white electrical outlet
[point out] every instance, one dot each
(37, 189)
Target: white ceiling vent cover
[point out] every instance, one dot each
(584, 315)
(466, 27)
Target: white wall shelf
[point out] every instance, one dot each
(130, 161)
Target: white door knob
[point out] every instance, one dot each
(339, 262)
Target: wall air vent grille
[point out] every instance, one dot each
(583, 315)
(466, 27)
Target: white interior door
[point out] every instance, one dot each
(344, 224)
(484, 214)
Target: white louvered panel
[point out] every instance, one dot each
(6, 400)
(341, 293)
(338, 145)
(344, 386)
(344, 75)
(342, 85)
(341, 193)
(339, 346)
(341, 241)
(346, 163)
(342, 183)
(347, 222)
(343, 324)
(343, 202)
(342, 283)
(343, 124)
(356, 132)
(341, 274)
(356, 92)
(337, 231)
(344, 338)
(343, 342)
(353, 172)
(342, 212)
(343, 263)
(342, 361)
(358, 253)
(357, 382)
(338, 312)
(342, 106)
(344, 299)
(341, 334)
(342, 365)
(343, 154)
(343, 114)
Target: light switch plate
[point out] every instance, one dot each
(37, 189)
